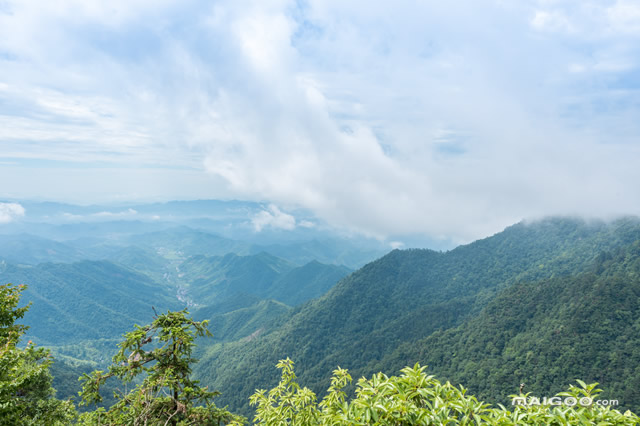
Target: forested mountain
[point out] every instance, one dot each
(31, 250)
(405, 297)
(80, 310)
(216, 278)
(244, 323)
(541, 303)
(306, 282)
(327, 250)
(547, 333)
(88, 300)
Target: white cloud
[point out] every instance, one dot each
(273, 218)
(10, 212)
(624, 16)
(452, 121)
(396, 244)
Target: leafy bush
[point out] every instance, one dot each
(415, 398)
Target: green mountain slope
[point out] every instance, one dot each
(403, 298)
(548, 333)
(88, 300)
(216, 278)
(243, 323)
(213, 280)
(306, 282)
(330, 251)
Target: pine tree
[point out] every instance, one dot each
(160, 353)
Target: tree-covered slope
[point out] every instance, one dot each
(548, 333)
(245, 322)
(214, 279)
(353, 254)
(87, 300)
(306, 282)
(405, 297)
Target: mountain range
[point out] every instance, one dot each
(440, 309)
(541, 303)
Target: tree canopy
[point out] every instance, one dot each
(26, 395)
(161, 354)
(156, 360)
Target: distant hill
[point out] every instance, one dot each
(213, 279)
(338, 252)
(87, 300)
(31, 250)
(182, 242)
(197, 227)
(81, 309)
(405, 297)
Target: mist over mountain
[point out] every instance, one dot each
(96, 231)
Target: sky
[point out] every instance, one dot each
(446, 119)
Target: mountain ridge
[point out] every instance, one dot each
(405, 296)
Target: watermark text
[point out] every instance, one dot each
(569, 401)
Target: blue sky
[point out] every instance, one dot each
(450, 119)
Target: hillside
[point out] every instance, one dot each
(306, 282)
(84, 301)
(242, 323)
(547, 333)
(31, 250)
(405, 297)
(214, 279)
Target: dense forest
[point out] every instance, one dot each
(390, 313)
(159, 355)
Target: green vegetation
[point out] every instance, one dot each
(84, 301)
(26, 395)
(29, 249)
(157, 359)
(380, 318)
(306, 282)
(540, 304)
(167, 395)
(415, 398)
(548, 332)
(218, 278)
(245, 322)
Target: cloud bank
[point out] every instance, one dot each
(448, 120)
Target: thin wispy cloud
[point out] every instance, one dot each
(417, 117)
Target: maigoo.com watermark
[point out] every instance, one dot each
(569, 401)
